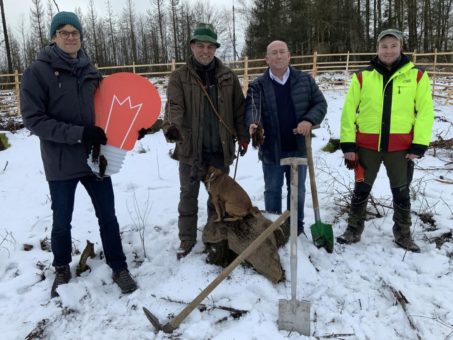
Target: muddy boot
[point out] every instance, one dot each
(125, 281)
(62, 276)
(401, 229)
(356, 222)
(185, 247)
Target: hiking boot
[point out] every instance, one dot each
(125, 281)
(349, 236)
(402, 227)
(408, 244)
(185, 247)
(62, 276)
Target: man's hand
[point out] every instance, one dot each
(303, 128)
(412, 156)
(243, 148)
(252, 128)
(172, 134)
(142, 133)
(350, 160)
(93, 135)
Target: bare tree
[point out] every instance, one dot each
(174, 19)
(161, 23)
(92, 19)
(130, 17)
(5, 36)
(111, 31)
(50, 10)
(37, 22)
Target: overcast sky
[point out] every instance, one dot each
(19, 10)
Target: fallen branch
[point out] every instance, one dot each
(38, 331)
(334, 336)
(437, 319)
(402, 301)
(434, 169)
(235, 313)
(445, 181)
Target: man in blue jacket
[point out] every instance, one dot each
(286, 103)
(57, 104)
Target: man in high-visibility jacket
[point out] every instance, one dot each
(387, 118)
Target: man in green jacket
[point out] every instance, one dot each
(387, 118)
(204, 115)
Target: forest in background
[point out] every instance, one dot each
(161, 32)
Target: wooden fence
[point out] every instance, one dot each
(334, 68)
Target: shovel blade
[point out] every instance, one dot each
(322, 235)
(294, 315)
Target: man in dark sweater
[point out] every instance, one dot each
(281, 101)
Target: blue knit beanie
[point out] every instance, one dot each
(65, 18)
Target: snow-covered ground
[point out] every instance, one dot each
(350, 290)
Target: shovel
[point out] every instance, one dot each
(170, 326)
(294, 315)
(321, 233)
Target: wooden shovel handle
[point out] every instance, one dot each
(311, 171)
(175, 322)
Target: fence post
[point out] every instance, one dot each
(245, 80)
(434, 72)
(173, 64)
(414, 56)
(315, 60)
(17, 87)
(133, 67)
(347, 64)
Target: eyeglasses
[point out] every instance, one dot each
(66, 34)
(277, 52)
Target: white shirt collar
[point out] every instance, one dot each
(278, 80)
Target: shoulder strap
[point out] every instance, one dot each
(231, 131)
(419, 75)
(360, 78)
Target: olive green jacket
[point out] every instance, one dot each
(185, 107)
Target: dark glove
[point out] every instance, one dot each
(93, 135)
(172, 134)
(142, 133)
(243, 148)
(350, 164)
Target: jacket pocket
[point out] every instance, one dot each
(185, 147)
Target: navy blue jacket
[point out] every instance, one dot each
(261, 108)
(56, 103)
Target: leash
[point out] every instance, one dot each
(231, 131)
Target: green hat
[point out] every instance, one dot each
(393, 32)
(205, 33)
(65, 18)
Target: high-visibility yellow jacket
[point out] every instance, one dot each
(388, 110)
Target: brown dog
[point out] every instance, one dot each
(228, 197)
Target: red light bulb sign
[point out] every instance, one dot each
(124, 103)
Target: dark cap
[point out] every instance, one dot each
(65, 18)
(205, 33)
(392, 32)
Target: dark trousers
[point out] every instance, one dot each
(190, 179)
(62, 194)
(399, 171)
(274, 175)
